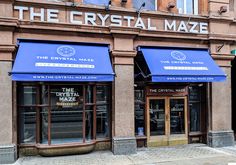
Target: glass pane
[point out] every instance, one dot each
(139, 111)
(96, 2)
(180, 6)
(66, 96)
(139, 119)
(89, 94)
(27, 95)
(149, 5)
(177, 122)
(44, 125)
(28, 125)
(194, 93)
(66, 124)
(102, 94)
(89, 123)
(44, 94)
(189, 6)
(103, 127)
(157, 117)
(139, 96)
(194, 117)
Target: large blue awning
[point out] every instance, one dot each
(40, 61)
(181, 65)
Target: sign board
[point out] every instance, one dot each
(67, 97)
(77, 17)
(167, 90)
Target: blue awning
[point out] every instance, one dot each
(181, 65)
(40, 61)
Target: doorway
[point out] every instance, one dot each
(167, 121)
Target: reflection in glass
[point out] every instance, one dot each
(27, 125)
(195, 107)
(89, 123)
(194, 93)
(157, 117)
(102, 121)
(194, 117)
(96, 2)
(44, 94)
(189, 7)
(66, 124)
(139, 111)
(177, 122)
(44, 125)
(27, 95)
(149, 5)
(89, 94)
(102, 94)
(64, 104)
(180, 6)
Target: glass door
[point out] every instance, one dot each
(177, 116)
(166, 120)
(157, 116)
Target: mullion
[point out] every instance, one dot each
(37, 114)
(84, 121)
(94, 112)
(49, 116)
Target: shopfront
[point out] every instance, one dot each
(88, 75)
(63, 97)
(171, 94)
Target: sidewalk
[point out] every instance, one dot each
(194, 154)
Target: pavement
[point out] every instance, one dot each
(191, 154)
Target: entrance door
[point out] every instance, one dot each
(167, 121)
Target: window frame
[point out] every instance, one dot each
(39, 106)
(195, 7)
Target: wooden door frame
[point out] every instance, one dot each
(167, 135)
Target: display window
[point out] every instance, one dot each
(63, 113)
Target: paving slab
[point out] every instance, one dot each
(193, 154)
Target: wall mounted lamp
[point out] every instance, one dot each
(139, 10)
(107, 7)
(218, 48)
(223, 9)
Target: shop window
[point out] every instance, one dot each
(96, 2)
(28, 125)
(64, 113)
(102, 111)
(139, 110)
(195, 108)
(149, 5)
(187, 6)
(28, 95)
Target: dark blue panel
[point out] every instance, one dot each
(182, 65)
(62, 62)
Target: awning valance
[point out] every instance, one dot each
(181, 65)
(41, 61)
